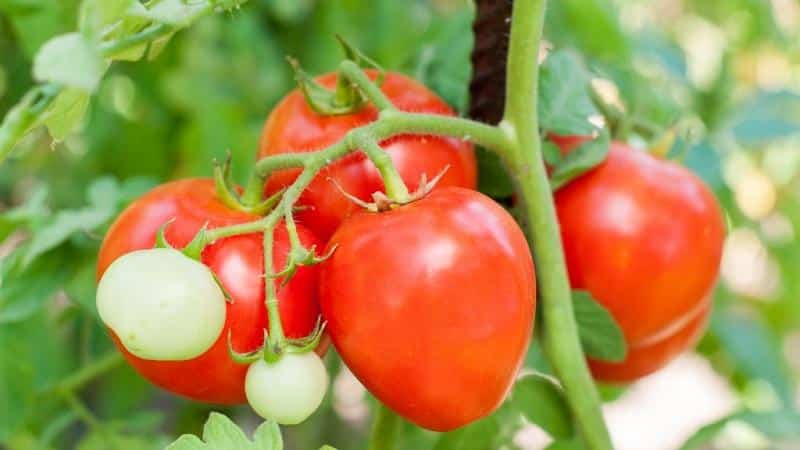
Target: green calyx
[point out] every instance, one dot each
(273, 349)
(348, 97)
(228, 193)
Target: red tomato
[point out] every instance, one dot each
(431, 305)
(644, 236)
(294, 127)
(237, 262)
(646, 359)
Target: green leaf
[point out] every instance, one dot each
(565, 104)
(32, 211)
(755, 351)
(223, 433)
(34, 355)
(178, 13)
(96, 15)
(568, 444)
(25, 287)
(580, 161)
(66, 113)
(493, 179)
(443, 62)
(64, 225)
(542, 402)
(600, 335)
(268, 437)
(551, 153)
(767, 116)
(220, 433)
(107, 437)
(775, 425)
(69, 59)
(478, 435)
(188, 442)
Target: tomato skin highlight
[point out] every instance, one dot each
(647, 359)
(294, 127)
(431, 305)
(645, 237)
(238, 264)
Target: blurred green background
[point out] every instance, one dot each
(722, 75)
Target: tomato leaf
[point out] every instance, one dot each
(493, 179)
(95, 15)
(579, 161)
(23, 216)
(494, 431)
(551, 153)
(442, 63)
(600, 335)
(25, 287)
(179, 13)
(567, 444)
(268, 437)
(776, 426)
(220, 433)
(69, 59)
(66, 113)
(564, 101)
(542, 402)
(755, 351)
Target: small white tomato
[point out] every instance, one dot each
(163, 305)
(289, 390)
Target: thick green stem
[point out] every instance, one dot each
(560, 333)
(355, 75)
(395, 188)
(276, 335)
(385, 428)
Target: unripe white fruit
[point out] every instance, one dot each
(163, 305)
(289, 390)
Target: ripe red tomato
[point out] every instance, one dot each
(237, 262)
(644, 236)
(648, 358)
(294, 127)
(431, 305)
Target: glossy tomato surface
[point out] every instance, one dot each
(294, 127)
(431, 305)
(646, 359)
(644, 236)
(237, 262)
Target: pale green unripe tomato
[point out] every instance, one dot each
(163, 305)
(289, 390)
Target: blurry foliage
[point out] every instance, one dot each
(722, 74)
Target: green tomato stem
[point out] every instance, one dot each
(395, 188)
(89, 372)
(385, 429)
(560, 332)
(276, 335)
(356, 75)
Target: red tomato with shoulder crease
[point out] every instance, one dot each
(645, 237)
(431, 305)
(237, 261)
(294, 127)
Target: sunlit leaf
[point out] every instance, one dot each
(542, 402)
(70, 60)
(600, 334)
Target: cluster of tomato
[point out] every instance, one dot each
(430, 304)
